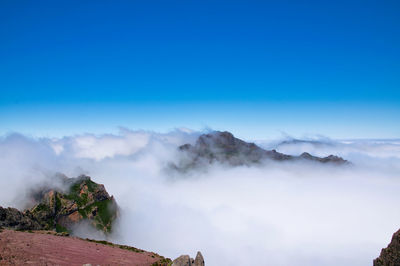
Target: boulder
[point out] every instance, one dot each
(185, 260)
(199, 260)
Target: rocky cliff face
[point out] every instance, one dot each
(390, 256)
(61, 210)
(223, 147)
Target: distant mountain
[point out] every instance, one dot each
(300, 141)
(224, 148)
(60, 210)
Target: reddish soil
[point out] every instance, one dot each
(41, 248)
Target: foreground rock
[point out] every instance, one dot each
(61, 208)
(45, 248)
(185, 260)
(224, 148)
(14, 219)
(390, 256)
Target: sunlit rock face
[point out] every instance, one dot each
(61, 208)
(224, 148)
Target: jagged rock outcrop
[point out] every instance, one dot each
(199, 260)
(61, 209)
(390, 256)
(13, 218)
(185, 260)
(223, 147)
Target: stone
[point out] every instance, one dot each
(183, 260)
(199, 260)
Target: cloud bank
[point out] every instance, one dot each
(292, 213)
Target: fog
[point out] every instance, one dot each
(291, 213)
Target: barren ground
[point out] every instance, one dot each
(42, 248)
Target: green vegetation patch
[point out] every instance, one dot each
(92, 186)
(105, 213)
(84, 199)
(131, 248)
(100, 242)
(60, 229)
(75, 189)
(83, 213)
(104, 242)
(74, 196)
(49, 223)
(163, 262)
(58, 203)
(41, 207)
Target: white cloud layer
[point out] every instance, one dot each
(278, 214)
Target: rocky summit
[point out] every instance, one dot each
(61, 209)
(390, 256)
(224, 148)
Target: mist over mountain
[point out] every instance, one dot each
(63, 205)
(247, 208)
(224, 148)
(255, 132)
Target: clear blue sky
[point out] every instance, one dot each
(256, 68)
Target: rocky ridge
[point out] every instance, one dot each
(224, 148)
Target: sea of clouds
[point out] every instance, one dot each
(280, 213)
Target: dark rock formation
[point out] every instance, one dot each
(60, 210)
(185, 260)
(390, 256)
(223, 147)
(13, 218)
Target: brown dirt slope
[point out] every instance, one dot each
(46, 248)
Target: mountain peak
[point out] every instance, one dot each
(224, 147)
